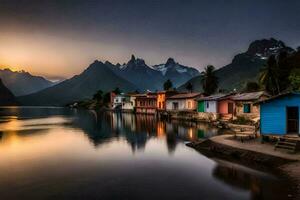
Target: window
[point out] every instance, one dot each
(207, 104)
(175, 105)
(247, 108)
(189, 104)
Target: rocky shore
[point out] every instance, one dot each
(274, 162)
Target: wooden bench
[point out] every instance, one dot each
(245, 136)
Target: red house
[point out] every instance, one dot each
(146, 103)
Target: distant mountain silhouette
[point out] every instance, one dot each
(97, 76)
(152, 78)
(245, 66)
(6, 96)
(176, 72)
(22, 83)
(137, 75)
(140, 74)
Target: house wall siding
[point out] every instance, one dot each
(212, 106)
(223, 106)
(273, 114)
(183, 104)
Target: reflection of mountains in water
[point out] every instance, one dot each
(101, 128)
(261, 185)
(35, 113)
(138, 129)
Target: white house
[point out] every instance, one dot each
(118, 100)
(182, 102)
(128, 104)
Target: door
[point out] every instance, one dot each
(200, 106)
(292, 114)
(230, 108)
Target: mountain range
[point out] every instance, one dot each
(137, 75)
(131, 76)
(152, 78)
(6, 96)
(244, 67)
(23, 83)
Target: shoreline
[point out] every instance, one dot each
(284, 166)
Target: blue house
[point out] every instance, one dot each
(279, 115)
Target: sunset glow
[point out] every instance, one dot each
(45, 40)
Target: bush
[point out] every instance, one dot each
(242, 121)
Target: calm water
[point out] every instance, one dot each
(52, 153)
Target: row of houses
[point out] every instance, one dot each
(278, 115)
(212, 107)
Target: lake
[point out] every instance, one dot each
(59, 153)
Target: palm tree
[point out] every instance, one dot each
(269, 76)
(209, 80)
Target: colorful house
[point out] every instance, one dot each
(182, 102)
(279, 115)
(245, 104)
(145, 103)
(162, 97)
(208, 107)
(226, 107)
(128, 105)
(209, 104)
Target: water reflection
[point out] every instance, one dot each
(51, 153)
(138, 129)
(244, 178)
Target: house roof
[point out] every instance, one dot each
(277, 96)
(185, 95)
(167, 92)
(248, 96)
(147, 95)
(213, 97)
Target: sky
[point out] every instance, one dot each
(60, 38)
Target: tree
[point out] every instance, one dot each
(117, 90)
(168, 85)
(294, 79)
(106, 99)
(252, 86)
(189, 87)
(269, 76)
(98, 95)
(284, 70)
(209, 80)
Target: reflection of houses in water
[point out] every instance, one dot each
(116, 123)
(146, 123)
(137, 129)
(128, 121)
(204, 130)
(161, 129)
(191, 131)
(171, 136)
(134, 128)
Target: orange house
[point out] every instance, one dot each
(161, 99)
(226, 107)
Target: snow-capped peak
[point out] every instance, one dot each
(171, 65)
